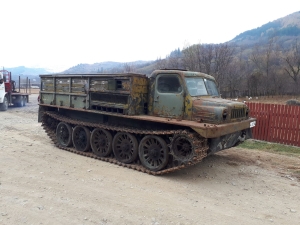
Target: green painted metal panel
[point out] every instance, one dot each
(62, 100)
(47, 98)
(78, 102)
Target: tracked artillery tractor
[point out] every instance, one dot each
(155, 124)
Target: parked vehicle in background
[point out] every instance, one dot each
(8, 93)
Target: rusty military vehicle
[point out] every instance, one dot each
(156, 124)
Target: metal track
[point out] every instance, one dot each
(200, 144)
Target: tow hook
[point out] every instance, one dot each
(242, 137)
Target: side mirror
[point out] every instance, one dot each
(1, 81)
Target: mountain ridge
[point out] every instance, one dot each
(284, 27)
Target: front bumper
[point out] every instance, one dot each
(217, 130)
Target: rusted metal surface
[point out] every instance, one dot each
(210, 110)
(206, 130)
(181, 108)
(50, 121)
(125, 94)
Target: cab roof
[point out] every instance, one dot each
(182, 73)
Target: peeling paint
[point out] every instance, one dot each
(136, 94)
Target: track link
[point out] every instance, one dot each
(200, 144)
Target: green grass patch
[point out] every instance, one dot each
(270, 147)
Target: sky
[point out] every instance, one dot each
(59, 34)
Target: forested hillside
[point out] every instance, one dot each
(284, 29)
(262, 61)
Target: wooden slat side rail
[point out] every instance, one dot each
(276, 123)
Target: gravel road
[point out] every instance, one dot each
(41, 184)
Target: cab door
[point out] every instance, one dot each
(168, 96)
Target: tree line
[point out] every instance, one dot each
(266, 69)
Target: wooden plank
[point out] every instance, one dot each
(270, 118)
(253, 114)
(292, 125)
(276, 124)
(266, 121)
(288, 130)
(297, 125)
(280, 123)
(263, 121)
(285, 127)
(256, 130)
(287, 121)
(258, 121)
(286, 124)
(272, 122)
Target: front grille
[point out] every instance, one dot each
(238, 113)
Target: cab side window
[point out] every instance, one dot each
(168, 84)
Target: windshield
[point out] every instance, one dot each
(198, 86)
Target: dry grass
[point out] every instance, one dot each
(31, 91)
(279, 99)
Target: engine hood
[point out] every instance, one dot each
(218, 110)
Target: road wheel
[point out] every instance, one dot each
(182, 148)
(153, 152)
(4, 105)
(101, 141)
(64, 134)
(125, 147)
(81, 138)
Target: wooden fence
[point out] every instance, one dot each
(276, 123)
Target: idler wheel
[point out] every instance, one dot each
(182, 148)
(63, 133)
(81, 138)
(101, 141)
(125, 147)
(153, 152)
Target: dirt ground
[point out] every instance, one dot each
(41, 184)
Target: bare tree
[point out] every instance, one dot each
(223, 56)
(207, 58)
(161, 63)
(265, 59)
(174, 59)
(127, 68)
(173, 62)
(292, 65)
(189, 58)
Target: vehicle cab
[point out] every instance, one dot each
(188, 95)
